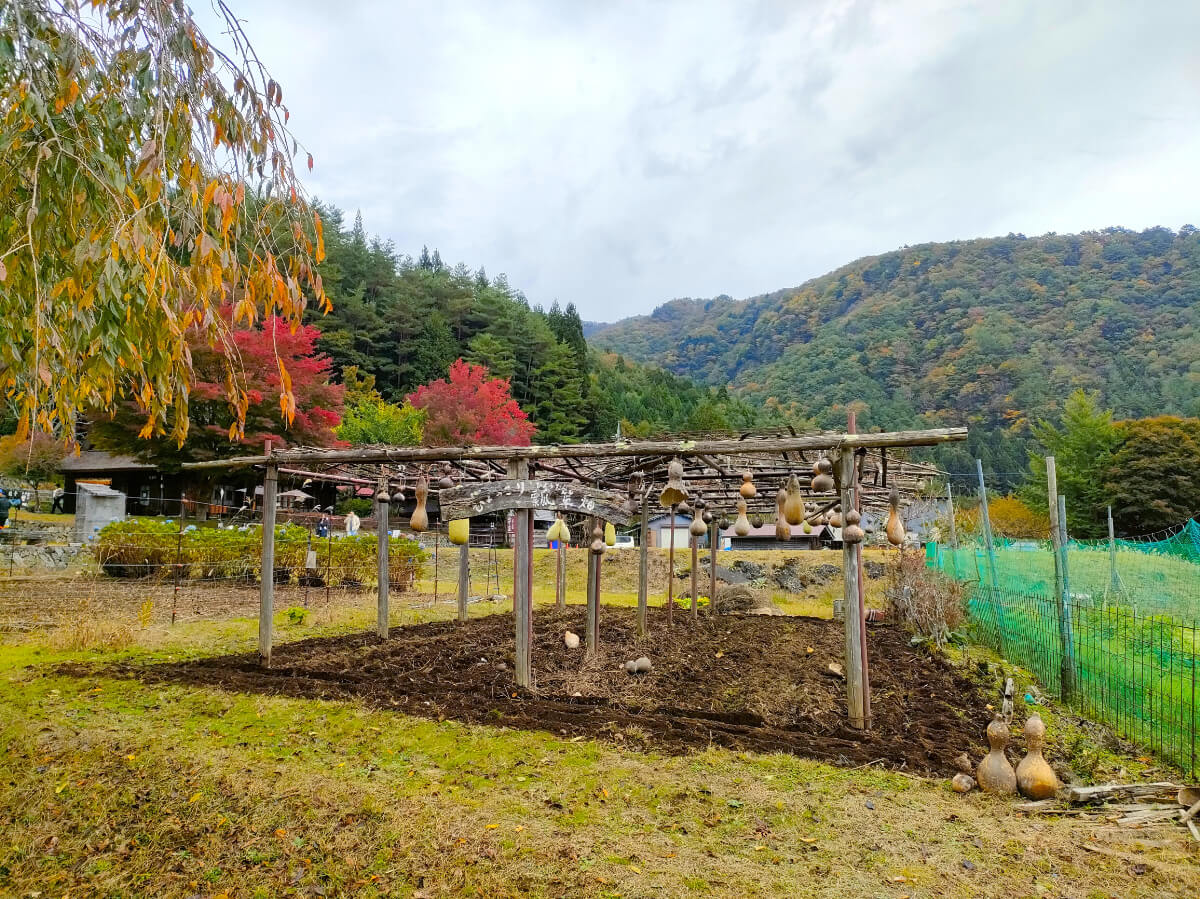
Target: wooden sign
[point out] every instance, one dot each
(550, 496)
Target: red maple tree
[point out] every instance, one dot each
(258, 352)
(471, 407)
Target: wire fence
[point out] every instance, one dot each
(1113, 632)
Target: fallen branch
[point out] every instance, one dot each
(1113, 791)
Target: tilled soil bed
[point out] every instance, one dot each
(756, 683)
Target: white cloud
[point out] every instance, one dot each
(621, 154)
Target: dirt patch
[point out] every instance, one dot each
(755, 683)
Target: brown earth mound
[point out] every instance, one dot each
(756, 683)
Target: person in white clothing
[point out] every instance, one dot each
(352, 523)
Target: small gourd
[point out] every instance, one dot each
(398, 496)
(895, 524)
(420, 518)
(675, 492)
(597, 546)
(723, 522)
(381, 495)
(793, 507)
(835, 517)
(806, 527)
(610, 534)
(783, 530)
(698, 528)
(996, 774)
(851, 532)
(460, 531)
(822, 481)
(1035, 778)
(756, 520)
(748, 490)
(741, 527)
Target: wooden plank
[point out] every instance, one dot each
(552, 496)
(684, 448)
(1111, 791)
(266, 599)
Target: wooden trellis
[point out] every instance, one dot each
(612, 482)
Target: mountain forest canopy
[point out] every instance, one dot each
(405, 321)
(993, 334)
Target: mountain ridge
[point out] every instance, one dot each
(987, 332)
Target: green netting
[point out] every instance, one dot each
(1123, 643)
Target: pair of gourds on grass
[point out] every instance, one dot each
(1033, 776)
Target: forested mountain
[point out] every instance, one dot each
(990, 333)
(406, 320)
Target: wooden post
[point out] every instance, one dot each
(1065, 630)
(464, 579)
(381, 516)
(1055, 542)
(522, 581)
(855, 650)
(953, 529)
(852, 427)
(435, 567)
(592, 627)
(643, 549)
(695, 576)
(560, 577)
(266, 606)
(671, 568)
(1114, 582)
(714, 538)
(987, 525)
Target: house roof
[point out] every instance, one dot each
(96, 461)
(767, 532)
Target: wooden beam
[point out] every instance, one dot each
(552, 496)
(688, 448)
(266, 599)
(518, 469)
(643, 549)
(855, 650)
(381, 516)
(464, 579)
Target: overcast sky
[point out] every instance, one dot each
(619, 155)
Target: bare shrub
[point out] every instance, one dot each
(925, 601)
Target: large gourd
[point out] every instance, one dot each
(420, 518)
(895, 524)
(675, 492)
(741, 527)
(793, 507)
(996, 774)
(1035, 778)
(460, 531)
(852, 532)
(823, 481)
(783, 531)
(748, 490)
(610, 534)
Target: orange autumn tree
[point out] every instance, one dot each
(147, 181)
(471, 407)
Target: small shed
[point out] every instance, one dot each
(660, 529)
(819, 537)
(95, 506)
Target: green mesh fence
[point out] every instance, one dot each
(1121, 648)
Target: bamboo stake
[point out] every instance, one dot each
(266, 604)
(384, 575)
(643, 563)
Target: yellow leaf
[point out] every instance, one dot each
(281, 833)
(130, 757)
(194, 798)
(492, 826)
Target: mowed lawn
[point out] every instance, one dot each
(115, 787)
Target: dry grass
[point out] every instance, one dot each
(120, 788)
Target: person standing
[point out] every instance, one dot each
(352, 523)
(59, 497)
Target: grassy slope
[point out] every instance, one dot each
(118, 788)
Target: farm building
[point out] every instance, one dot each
(818, 537)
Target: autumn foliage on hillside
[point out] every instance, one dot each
(471, 407)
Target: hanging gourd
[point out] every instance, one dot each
(460, 531)
(895, 524)
(698, 528)
(822, 481)
(674, 492)
(420, 518)
(597, 546)
(381, 495)
(397, 495)
(741, 527)
(559, 532)
(757, 520)
(835, 517)
(783, 531)
(806, 527)
(793, 508)
(610, 534)
(748, 490)
(634, 492)
(723, 522)
(851, 532)
(445, 482)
